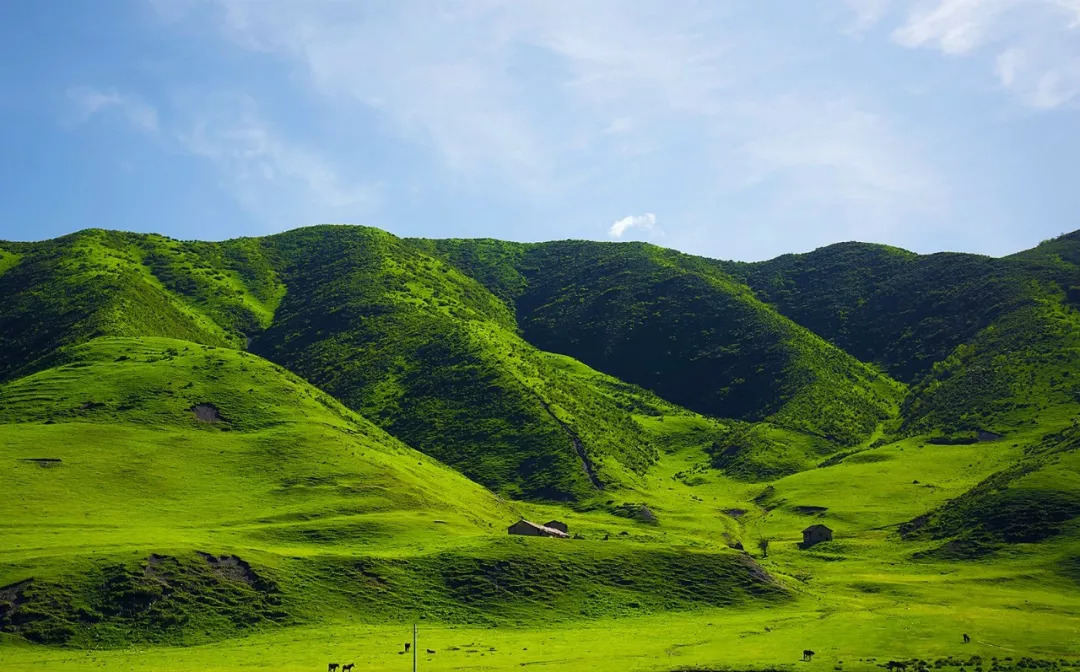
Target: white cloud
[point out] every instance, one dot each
(646, 222)
(1033, 45)
(89, 102)
(953, 26)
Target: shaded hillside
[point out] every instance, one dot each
(902, 310)
(885, 305)
(677, 325)
(1021, 371)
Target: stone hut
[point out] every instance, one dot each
(815, 534)
(530, 529)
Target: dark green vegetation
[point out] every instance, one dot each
(679, 326)
(332, 427)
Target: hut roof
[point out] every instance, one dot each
(542, 528)
(813, 528)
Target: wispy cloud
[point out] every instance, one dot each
(547, 98)
(834, 151)
(1033, 46)
(279, 180)
(88, 102)
(276, 179)
(645, 222)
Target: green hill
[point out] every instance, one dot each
(680, 327)
(435, 359)
(985, 342)
(901, 310)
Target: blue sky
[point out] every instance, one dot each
(734, 129)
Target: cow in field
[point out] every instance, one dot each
(807, 655)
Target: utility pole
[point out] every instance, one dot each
(414, 647)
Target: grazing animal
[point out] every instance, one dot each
(896, 665)
(347, 668)
(332, 667)
(966, 638)
(807, 655)
(407, 645)
(431, 650)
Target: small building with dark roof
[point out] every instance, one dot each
(815, 534)
(530, 529)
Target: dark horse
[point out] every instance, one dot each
(966, 638)
(807, 655)
(332, 667)
(348, 668)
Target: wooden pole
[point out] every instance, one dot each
(414, 647)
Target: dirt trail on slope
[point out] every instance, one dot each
(586, 463)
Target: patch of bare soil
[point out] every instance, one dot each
(233, 568)
(12, 596)
(205, 412)
(45, 462)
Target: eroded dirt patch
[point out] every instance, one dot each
(44, 462)
(233, 568)
(205, 412)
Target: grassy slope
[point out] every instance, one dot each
(358, 321)
(1022, 371)
(336, 518)
(1035, 499)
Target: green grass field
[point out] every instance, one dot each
(170, 501)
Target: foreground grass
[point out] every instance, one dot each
(713, 639)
